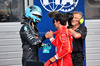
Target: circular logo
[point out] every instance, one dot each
(59, 5)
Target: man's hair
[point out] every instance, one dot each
(61, 18)
(75, 12)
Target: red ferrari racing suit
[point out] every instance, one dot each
(63, 42)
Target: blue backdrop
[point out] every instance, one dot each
(46, 22)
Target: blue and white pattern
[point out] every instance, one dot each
(59, 5)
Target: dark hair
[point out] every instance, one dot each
(61, 18)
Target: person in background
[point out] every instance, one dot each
(79, 33)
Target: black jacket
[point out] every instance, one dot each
(30, 41)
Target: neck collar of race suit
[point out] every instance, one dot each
(64, 27)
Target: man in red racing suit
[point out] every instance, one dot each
(63, 42)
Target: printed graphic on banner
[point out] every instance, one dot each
(59, 5)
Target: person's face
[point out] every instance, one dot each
(56, 24)
(36, 15)
(75, 20)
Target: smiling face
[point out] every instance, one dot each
(76, 18)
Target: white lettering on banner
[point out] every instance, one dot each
(59, 5)
(67, 1)
(45, 2)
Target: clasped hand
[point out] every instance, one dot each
(49, 34)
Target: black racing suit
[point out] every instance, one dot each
(30, 41)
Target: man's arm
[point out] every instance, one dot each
(81, 33)
(75, 34)
(51, 38)
(32, 39)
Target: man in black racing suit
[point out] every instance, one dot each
(29, 34)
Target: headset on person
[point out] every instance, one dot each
(81, 20)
